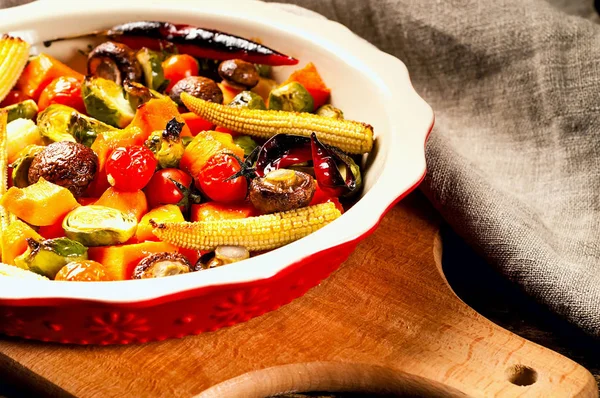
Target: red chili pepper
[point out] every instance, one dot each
(198, 42)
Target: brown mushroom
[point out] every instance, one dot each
(199, 87)
(162, 264)
(68, 164)
(239, 73)
(114, 61)
(221, 256)
(282, 190)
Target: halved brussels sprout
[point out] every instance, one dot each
(248, 99)
(291, 97)
(47, 257)
(151, 62)
(138, 94)
(330, 111)
(63, 123)
(246, 143)
(95, 225)
(22, 110)
(20, 168)
(105, 100)
(167, 145)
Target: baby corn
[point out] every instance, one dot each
(4, 215)
(254, 233)
(349, 136)
(14, 53)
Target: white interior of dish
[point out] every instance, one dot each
(366, 84)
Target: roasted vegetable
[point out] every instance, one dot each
(95, 225)
(41, 70)
(167, 145)
(239, 73)
(133, 203)
(330, 111)
(27, 109)
(154, 116)
(83, 271)
(264, 70)
(291, 97)
(5, 217)
(166, 213)
(281, 190)
(163, 264)
(130, 168)
(20, 134)
(264, 87)
(62, 123)
(65, 90)
(255, 233)
(114, 61)
(198, 42)
(20, 168)
(68, 164)
(204, 146)
(215, 211)
(199, 87)
(195, 123)
(14, 240)
(42, 203)
(349, 136)
(151, 63)
(15, 272)
(311, 80)
(246, 143)
(13, 57)
(105, 100)
(223, 255)
(170, 187)
(138, 94)
(47, 257)
(249, 100)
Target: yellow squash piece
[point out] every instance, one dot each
(14, 53)
(350, 136)
(254, 233)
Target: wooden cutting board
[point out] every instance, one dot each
(385, 322)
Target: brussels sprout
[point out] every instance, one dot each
(62, 123)
(167, 145)
(22, 110)
(105, 101)
(264, 70)
(248, 99)
(292, 97)
(151, 61)
(246, 143)
(47, 257)
(330, 111)
(138, 94)
(95, 225)
(20, 168)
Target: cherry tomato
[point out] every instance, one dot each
(178, 66)
(130, 168)
(163, 189)
(14, 97)
(83, 271)
(63, 90)
(211, 180)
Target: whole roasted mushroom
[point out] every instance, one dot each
(68, 164)
(282, 190)
(162, 264)
(114, 61)
(239, 73)
(199, 87)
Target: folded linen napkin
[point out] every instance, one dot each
(514, 158)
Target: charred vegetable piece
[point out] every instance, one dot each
(27, 109)
(163, 264)
(114, 61)
(151, 63)
(167, 145)
(199, 87)
(138, 94)
(47, 257)
(246, 143)
(4, 215)
(16, 272)
(67, 164)
(249, 100)
(239, 73)
(291, 97)
(349, 136)
(198, 42)
(62, 123)
(14, 53)
(20, 168)
(105, 100)
(282, 190)
(209, 68)
(254, 233)
(330, 111)
(83, 271)
(282, 151)
(99, 225)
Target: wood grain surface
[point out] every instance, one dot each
(385, 322)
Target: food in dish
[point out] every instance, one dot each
(175, 152)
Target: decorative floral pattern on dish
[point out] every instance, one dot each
(116, 326)
(241, 306)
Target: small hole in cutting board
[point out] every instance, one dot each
(521, 375)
